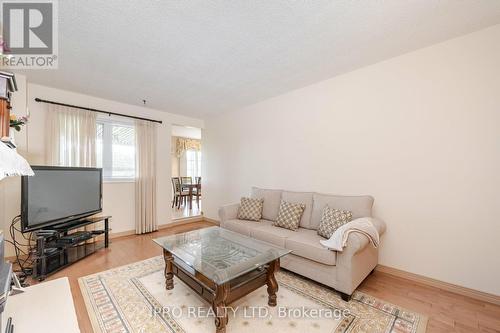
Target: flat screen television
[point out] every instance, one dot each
(59, 195)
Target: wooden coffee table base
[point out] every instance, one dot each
(220, 295)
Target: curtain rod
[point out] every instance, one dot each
(95, 110)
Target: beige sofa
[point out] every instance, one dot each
(343, 271)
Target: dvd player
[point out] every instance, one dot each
(75, 237)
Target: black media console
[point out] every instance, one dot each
(59, 247)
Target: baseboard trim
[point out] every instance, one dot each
(182, 221)
(206, 219)
(113, 235)
(174, 223)
(472, 293)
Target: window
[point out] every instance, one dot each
(115, 145)
(193, 163)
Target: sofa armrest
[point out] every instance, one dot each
(228, 212)
(357, 259)
(379, 225)
(357, 242)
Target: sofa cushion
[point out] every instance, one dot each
(266, 232)
(250, 209)
(240, 226)
(305, 198)
(289, 215)
(305, 243)
(331, 220)
(360, 206)
(272, 199)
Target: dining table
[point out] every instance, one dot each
(190, 188)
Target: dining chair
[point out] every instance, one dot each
(197, 191)
(179, 194)
(186, 180)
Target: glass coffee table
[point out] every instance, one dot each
(221, 266)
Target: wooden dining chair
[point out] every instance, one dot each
(197, 191)
(186, 180)
(179, 194)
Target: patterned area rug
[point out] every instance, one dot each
(133, 298)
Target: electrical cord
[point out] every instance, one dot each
(22, 249)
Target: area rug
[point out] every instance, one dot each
(133, 298)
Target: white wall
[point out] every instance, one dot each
(419, 132)
(118, 198)
(186, 132)
(175, 162)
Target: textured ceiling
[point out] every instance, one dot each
(198, 58)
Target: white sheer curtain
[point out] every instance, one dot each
(145, 183)
(71, 136)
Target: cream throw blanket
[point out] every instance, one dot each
(362, 226)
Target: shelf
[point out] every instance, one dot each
(53, 255)
(80, 223)
(60, 245)
(67, 256)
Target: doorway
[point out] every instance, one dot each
(186, 172)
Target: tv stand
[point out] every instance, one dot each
(59, 247)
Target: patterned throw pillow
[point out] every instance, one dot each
(331, 220)
(289, 215)
(250, 209)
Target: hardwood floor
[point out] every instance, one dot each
(121, 251)
(447, 312)
(184, 211)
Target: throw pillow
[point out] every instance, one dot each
(250, 209)
(289, 215)
(331, 220)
